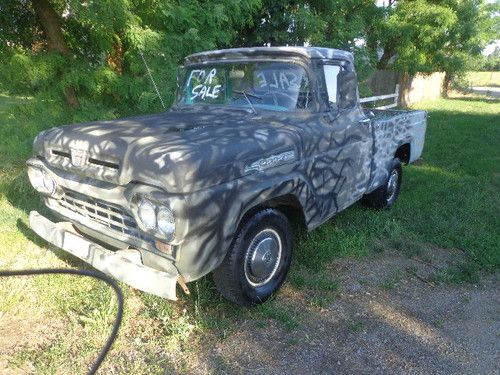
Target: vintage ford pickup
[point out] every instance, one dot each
(256, 137)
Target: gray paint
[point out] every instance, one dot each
(212, 165)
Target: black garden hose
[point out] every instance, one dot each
(96, 275)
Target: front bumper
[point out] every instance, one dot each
(124, 265)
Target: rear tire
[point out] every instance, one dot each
(385, 196)
(258, 260)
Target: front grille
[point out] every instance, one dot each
(111, 216)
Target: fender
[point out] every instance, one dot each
(216, 213)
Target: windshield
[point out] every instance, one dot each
(274, 86)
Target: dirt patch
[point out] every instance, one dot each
(20, 331)
(387, 319)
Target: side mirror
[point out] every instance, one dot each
(347, 83)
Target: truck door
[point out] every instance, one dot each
(350, 139)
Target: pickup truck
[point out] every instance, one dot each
(257, 138)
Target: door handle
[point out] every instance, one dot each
(365, 121)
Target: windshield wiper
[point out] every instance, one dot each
(247, 95)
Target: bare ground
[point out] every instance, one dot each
(387, 319)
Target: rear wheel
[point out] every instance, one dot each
(385, 196)
(258, 260)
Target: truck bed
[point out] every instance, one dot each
(392, 129)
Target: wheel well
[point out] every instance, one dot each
(403, 153)
(288, 204)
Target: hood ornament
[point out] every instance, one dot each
(79, 157)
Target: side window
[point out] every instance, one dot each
(331, 72)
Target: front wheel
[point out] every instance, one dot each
(258, 260)
(385, 196)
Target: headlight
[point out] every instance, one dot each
(156, 219)
(147, 214)
(42, 181)
(49, 184)
(166, 223)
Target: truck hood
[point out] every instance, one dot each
(181, 151)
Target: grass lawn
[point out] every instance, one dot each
(450, 200)
(490, 79)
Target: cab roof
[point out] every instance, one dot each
(241, 53)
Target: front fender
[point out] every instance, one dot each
(214, 216)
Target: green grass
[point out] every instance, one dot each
(391, 281)
(491, 79)
(355, 326)
(450, 201)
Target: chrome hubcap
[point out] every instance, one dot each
(263, 257)
(392, 184)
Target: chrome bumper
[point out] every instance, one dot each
(124, 265)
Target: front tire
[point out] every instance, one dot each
(258, 260)
(385, 196)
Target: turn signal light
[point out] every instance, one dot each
(165, 248)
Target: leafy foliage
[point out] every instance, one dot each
(105, 40)
(428, 36)
(99, 62)
(490, 62)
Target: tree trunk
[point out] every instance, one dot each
(51, 25)
(115, 57)
(405, 82)
(447, 84)
(386, 57)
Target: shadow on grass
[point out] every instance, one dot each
(30, 235)
(357, 335)
(487, 100)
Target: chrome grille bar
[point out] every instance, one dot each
(113, 217)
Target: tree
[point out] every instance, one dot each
(51, 25)
(490, 62)
(87, 52)
(335, 23)
(56, 48)
(427, 36)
